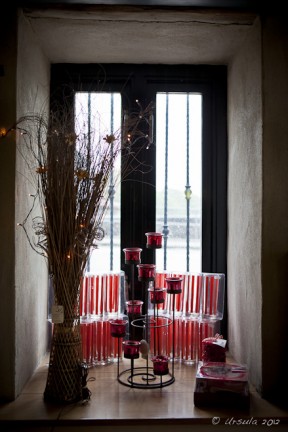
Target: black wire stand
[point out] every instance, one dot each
(159, 374)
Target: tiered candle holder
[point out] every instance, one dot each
(158, 375)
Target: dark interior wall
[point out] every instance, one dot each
(8, 38)
(275, 208)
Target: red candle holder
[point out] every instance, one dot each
(132, 255)
(160, 365)
(157, 295)
(146, 272)
(154, 240)
(134, 307)
(174, 285)
(118, 327)
(131, 349)
(212, 351)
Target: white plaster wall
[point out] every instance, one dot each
(33, 71)
(245, 204)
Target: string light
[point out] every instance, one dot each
(3, 132)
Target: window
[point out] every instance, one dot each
(179, 180)
(140, 206)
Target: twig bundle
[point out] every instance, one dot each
(71, 173)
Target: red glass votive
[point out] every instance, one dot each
(154, 240)
(157, 295)
(160, 365)
(212, 352)
(174, 285)
(132, 255)
(131, 349)
(118, 327)
(146, 272)
(134, 307)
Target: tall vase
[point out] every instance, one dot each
(65, 372)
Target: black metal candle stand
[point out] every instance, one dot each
(148, 377)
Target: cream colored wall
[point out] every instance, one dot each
(25, 313)
(31, 281)
(244, 288)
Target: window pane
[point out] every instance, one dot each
(101, 113)
(179, 169)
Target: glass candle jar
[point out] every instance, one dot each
(157, 295)
(154, 240)
(131, 349)
(118, 327)
(146, 272)
(213, 350)
(160, 365)
(132, 255)
(174, 285)
(134, 307)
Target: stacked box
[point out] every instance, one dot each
(222, 384)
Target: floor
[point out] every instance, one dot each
(113, 405)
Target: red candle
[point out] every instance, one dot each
(134, 307)
(174, 285)
(154, 240)
(146, 272)
(157, 295)
(132, 255)
(160, 365)
(131, 349)
(214, 349)
(118, 327)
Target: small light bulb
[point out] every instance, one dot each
(3, 132)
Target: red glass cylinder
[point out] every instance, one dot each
(154, 240)
(134, 307)
(157, 295)
(118, 327)
(160, 365)
(131, 349)
(174, 285)
(132, 255)
(146, 272)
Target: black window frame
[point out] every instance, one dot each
(138, 197)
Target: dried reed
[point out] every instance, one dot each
(71, 174)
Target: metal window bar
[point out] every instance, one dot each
(112, 186)
(89, 146)
(165, 230)
(188, 191)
